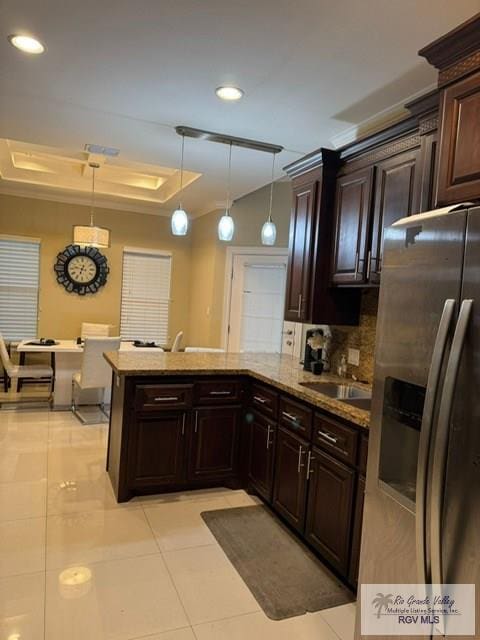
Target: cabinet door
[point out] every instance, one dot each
(357, 531)
(214, 443)
(329, 512)
(394, 199)
(300, 252)
(261, 455)
(459, 152)
(352, 213)
(290, 489)
(425, 178)
(156, 449)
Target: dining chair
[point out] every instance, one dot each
(15, 372)
(95, 375)
(177, 342)
(205, 349)
(94, 330)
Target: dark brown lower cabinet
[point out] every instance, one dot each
(357, 531)
(157, 449)
(261, 455)
(329, 509)
(290, 490)
(214, 444)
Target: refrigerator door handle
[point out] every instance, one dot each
(441, 440)
(438, 356)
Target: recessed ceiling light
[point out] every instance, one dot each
(229, 93)
(26, 44)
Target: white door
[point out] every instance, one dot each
(257, 303)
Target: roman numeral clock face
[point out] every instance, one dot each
(81, 270)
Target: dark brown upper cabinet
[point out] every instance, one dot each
(300, 252)
(459, 166)
(309, 296)
(395, 197)
(456, 55)
(352, 215)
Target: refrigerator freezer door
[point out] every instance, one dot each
(461, 504)
(423, 258)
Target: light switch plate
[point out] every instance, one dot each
(354, 357)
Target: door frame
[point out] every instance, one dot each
(231, 253)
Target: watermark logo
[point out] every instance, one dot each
(418, 609)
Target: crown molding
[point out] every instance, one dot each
(101, 202)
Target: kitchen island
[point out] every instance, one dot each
(193, 420)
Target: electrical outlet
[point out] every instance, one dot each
(354, 357)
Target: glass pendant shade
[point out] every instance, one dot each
(269, 233)
(179, 222)
(91, 236)
(226, 227)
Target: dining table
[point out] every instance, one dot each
(68, 360)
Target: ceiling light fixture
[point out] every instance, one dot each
(228, 93)
(92, 236)
(226, 226)
(179, 221)
(269, 230)
(27, 44)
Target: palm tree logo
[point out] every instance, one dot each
(382, 602)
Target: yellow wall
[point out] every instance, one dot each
(198, 260)
(61, 313)
(209, 254)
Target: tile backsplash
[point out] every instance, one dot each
(361, 337)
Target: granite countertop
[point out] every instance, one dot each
(280, 371)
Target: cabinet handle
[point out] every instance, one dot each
(269, 428)
(357, 262)
(369, 264)
(291, 417)
(259, 399)
(219, 393)
(328, 437)
(300, 454)
(299, 310)
(196, 421)
(166, 398)
(183, 424)
(309, 464)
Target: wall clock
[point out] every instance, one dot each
(81, 269)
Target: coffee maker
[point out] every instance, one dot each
(314, 344)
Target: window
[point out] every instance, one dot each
(145, 295)
(19, 278)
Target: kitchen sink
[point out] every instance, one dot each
(347, 393)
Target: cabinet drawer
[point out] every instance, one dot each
(265, 400)
(336, 438)
(152, 397)
(296, 417)
(217, 391)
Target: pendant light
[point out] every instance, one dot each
(91, 235)
(226, 226)
(269, 230)
(179, 221)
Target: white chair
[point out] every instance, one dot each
(14, 372)
(178, 341)
(206, 349)
(93, 330)
(95, 374)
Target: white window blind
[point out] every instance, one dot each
(145, 296)
(19, 277)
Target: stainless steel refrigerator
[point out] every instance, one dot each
(422, 503)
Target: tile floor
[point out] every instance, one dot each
(74, 564)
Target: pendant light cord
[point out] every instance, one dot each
(92, 208)
(229, 178)
(271, 189)
(181, 168)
